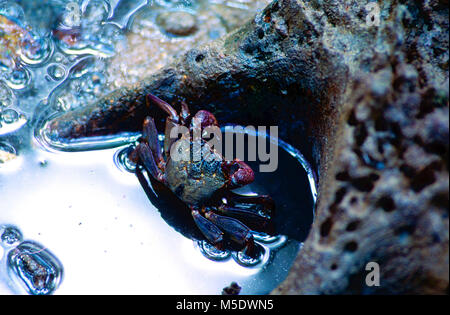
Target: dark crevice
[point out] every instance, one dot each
(351, 247)
(352, 121)
(360, 134)
(340, 195)
(386, 203)
(407, 229)
(343, 176)
(199, 58)
(352, 226)
(423, 179)
(441, 200)
(326, 226)
(366, 183)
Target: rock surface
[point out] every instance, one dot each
(367, 104)
(384, 190)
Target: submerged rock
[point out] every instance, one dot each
(177, 23)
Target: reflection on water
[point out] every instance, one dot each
(88, 207)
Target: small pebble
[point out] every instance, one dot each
(177, 23)
(232, 289)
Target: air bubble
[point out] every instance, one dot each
(5, 147)
(80, 91)
(95, 37)
(36, 51)
(7, 155)
(12, 10)
(9, 116)
(10, 236)
(265, 238)
(122, 160)
(212, 253)
(18, 79)
(35, 268)
(56, 71)
(176, 3)
(269, 240)
(12, 121)
(6, 95)
(58, 57)
(261, 257)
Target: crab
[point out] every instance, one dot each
(204, 185)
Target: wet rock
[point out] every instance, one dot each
(177, 23)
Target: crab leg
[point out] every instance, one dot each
(238, 232)
(251, 216)
(173, 121)
(173, 115)
(209, 229)
(150, 135)
(264, 200)
(146, 158)
(256, 211)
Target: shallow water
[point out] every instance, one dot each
(92, 214)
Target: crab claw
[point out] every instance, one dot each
(205, 119)
(240, 174)
(237, 231)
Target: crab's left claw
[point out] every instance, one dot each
(237, 231)
(212, 233)
(240, 174)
